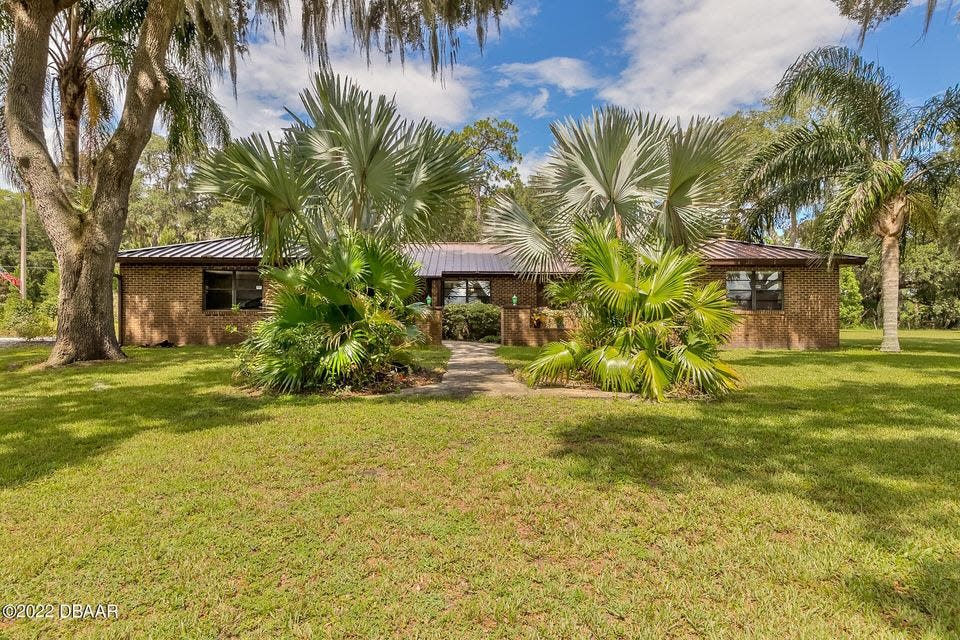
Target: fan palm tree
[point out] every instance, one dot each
(650, 178)
(352, 162)
(646, 323)
(869, 163)
(340, 320)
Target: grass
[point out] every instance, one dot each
(431, 358)
(820, 502)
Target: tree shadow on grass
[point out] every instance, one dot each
(51, 419)
(874, 452)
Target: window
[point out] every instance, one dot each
(463, 291)
(226, 289)
(756, 290)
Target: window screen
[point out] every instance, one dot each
(756, 290)
(464, 291)
(226, 289)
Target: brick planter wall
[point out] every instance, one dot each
(432, 327)
(516, 329)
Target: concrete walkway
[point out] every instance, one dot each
(474, 368)
(20, 342)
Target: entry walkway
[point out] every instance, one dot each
(474, 368)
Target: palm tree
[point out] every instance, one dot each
(646, 325)
(869, 163)
(343, 319)
(351, 163)
(650, 178)
(90, 52)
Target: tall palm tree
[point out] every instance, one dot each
(650, 178)
(352, 162)
(869, 163)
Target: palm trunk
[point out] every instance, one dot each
(890, 287)
(71, 105)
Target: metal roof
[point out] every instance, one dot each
(435, 260)
(724, 252)
(238, 248)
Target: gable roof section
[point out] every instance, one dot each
(468, 258)
(472, 258)
(725, 252)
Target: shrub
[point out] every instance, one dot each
(471, 321)
(49, 292)
(23, 319)
(851, 301)
(645, 325)
(491, 339)
(342, 321)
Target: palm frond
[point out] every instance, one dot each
(695, 200)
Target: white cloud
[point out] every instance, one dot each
(274, 73)
(570, 75)
(538, 105)
(519, 14)
(532, 162)
(691, 57)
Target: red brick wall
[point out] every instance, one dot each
(432, 327)
(810, 318)
(163, 302)
(516, 330)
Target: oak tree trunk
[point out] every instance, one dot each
(85, 239)
(890, 288)
(85, 329)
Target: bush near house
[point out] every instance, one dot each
(646, 327)
(24, 318)
(471, 321)
(851, 300)
(345, 320)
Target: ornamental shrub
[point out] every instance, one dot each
(344, 320)
(646, 324)
(471, 321)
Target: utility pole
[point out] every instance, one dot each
(23, 246)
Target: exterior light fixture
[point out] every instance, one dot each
(515, 299)
(429, 301)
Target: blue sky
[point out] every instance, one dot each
(559, 58)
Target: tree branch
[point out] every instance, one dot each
(32, 25)
(146, 88)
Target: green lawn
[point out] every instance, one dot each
(823, 501)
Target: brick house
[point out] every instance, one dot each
(210, 292)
